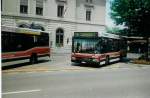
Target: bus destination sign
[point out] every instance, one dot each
(85, 34)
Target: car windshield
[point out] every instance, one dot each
(86, 46)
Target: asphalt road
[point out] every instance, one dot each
(58, 78)
(57, 62)
(97, 83)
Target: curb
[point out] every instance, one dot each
(44, 70)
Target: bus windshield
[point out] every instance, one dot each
(86, 45)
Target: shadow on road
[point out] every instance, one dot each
(85, 65)
(90, 65)
(124, 60)
(21, 64)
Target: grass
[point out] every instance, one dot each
(137, 61)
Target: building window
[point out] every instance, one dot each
(24, 6)
(88, 15)
(89, 1)
(60, 11)
(59, 37)
(39, 7)
(1, 5)
(61, 1)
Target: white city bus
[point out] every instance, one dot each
(23, 43)
(98, 48)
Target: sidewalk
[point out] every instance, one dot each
(50, 66)
(60, 61)
(62, 50)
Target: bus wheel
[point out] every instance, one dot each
(121, 58)
(33, 59)
(107, 60)
(99, 64)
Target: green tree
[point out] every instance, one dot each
(135, 15)
(114, 30)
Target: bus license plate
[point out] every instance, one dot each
(83, 62)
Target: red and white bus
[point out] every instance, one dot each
(98, 48)
(23, 43)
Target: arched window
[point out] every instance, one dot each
(59, 37)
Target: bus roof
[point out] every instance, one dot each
(27, 31)
(96, 34)
(22, 30)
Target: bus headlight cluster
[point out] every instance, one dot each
(73, 58)
(95, 60)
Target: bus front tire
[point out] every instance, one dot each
(107, 60)
(33, 59)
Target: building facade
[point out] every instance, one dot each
(60, 17)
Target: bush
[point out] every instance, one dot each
(142, 57)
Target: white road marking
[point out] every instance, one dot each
(17, 92)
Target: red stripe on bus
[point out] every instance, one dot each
(26, 53)
(97, 56)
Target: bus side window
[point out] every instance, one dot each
(19, 46)
(42, 40)
(98, 47)
(5, 41)
(103, 48)
(78, 47)
(102, 45)
(105, 45)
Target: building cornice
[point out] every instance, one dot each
(50, 19)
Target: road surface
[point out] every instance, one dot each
(58, 78)
(96, 83)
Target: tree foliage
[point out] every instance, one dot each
(134, 14)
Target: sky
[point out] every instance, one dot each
(109, 21)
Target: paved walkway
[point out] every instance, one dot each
(60, 61)
(62, 50)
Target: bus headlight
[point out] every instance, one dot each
(95, 60)
(73, 58)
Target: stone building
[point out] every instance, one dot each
(60, 17)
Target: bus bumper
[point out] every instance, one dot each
(85, 61)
